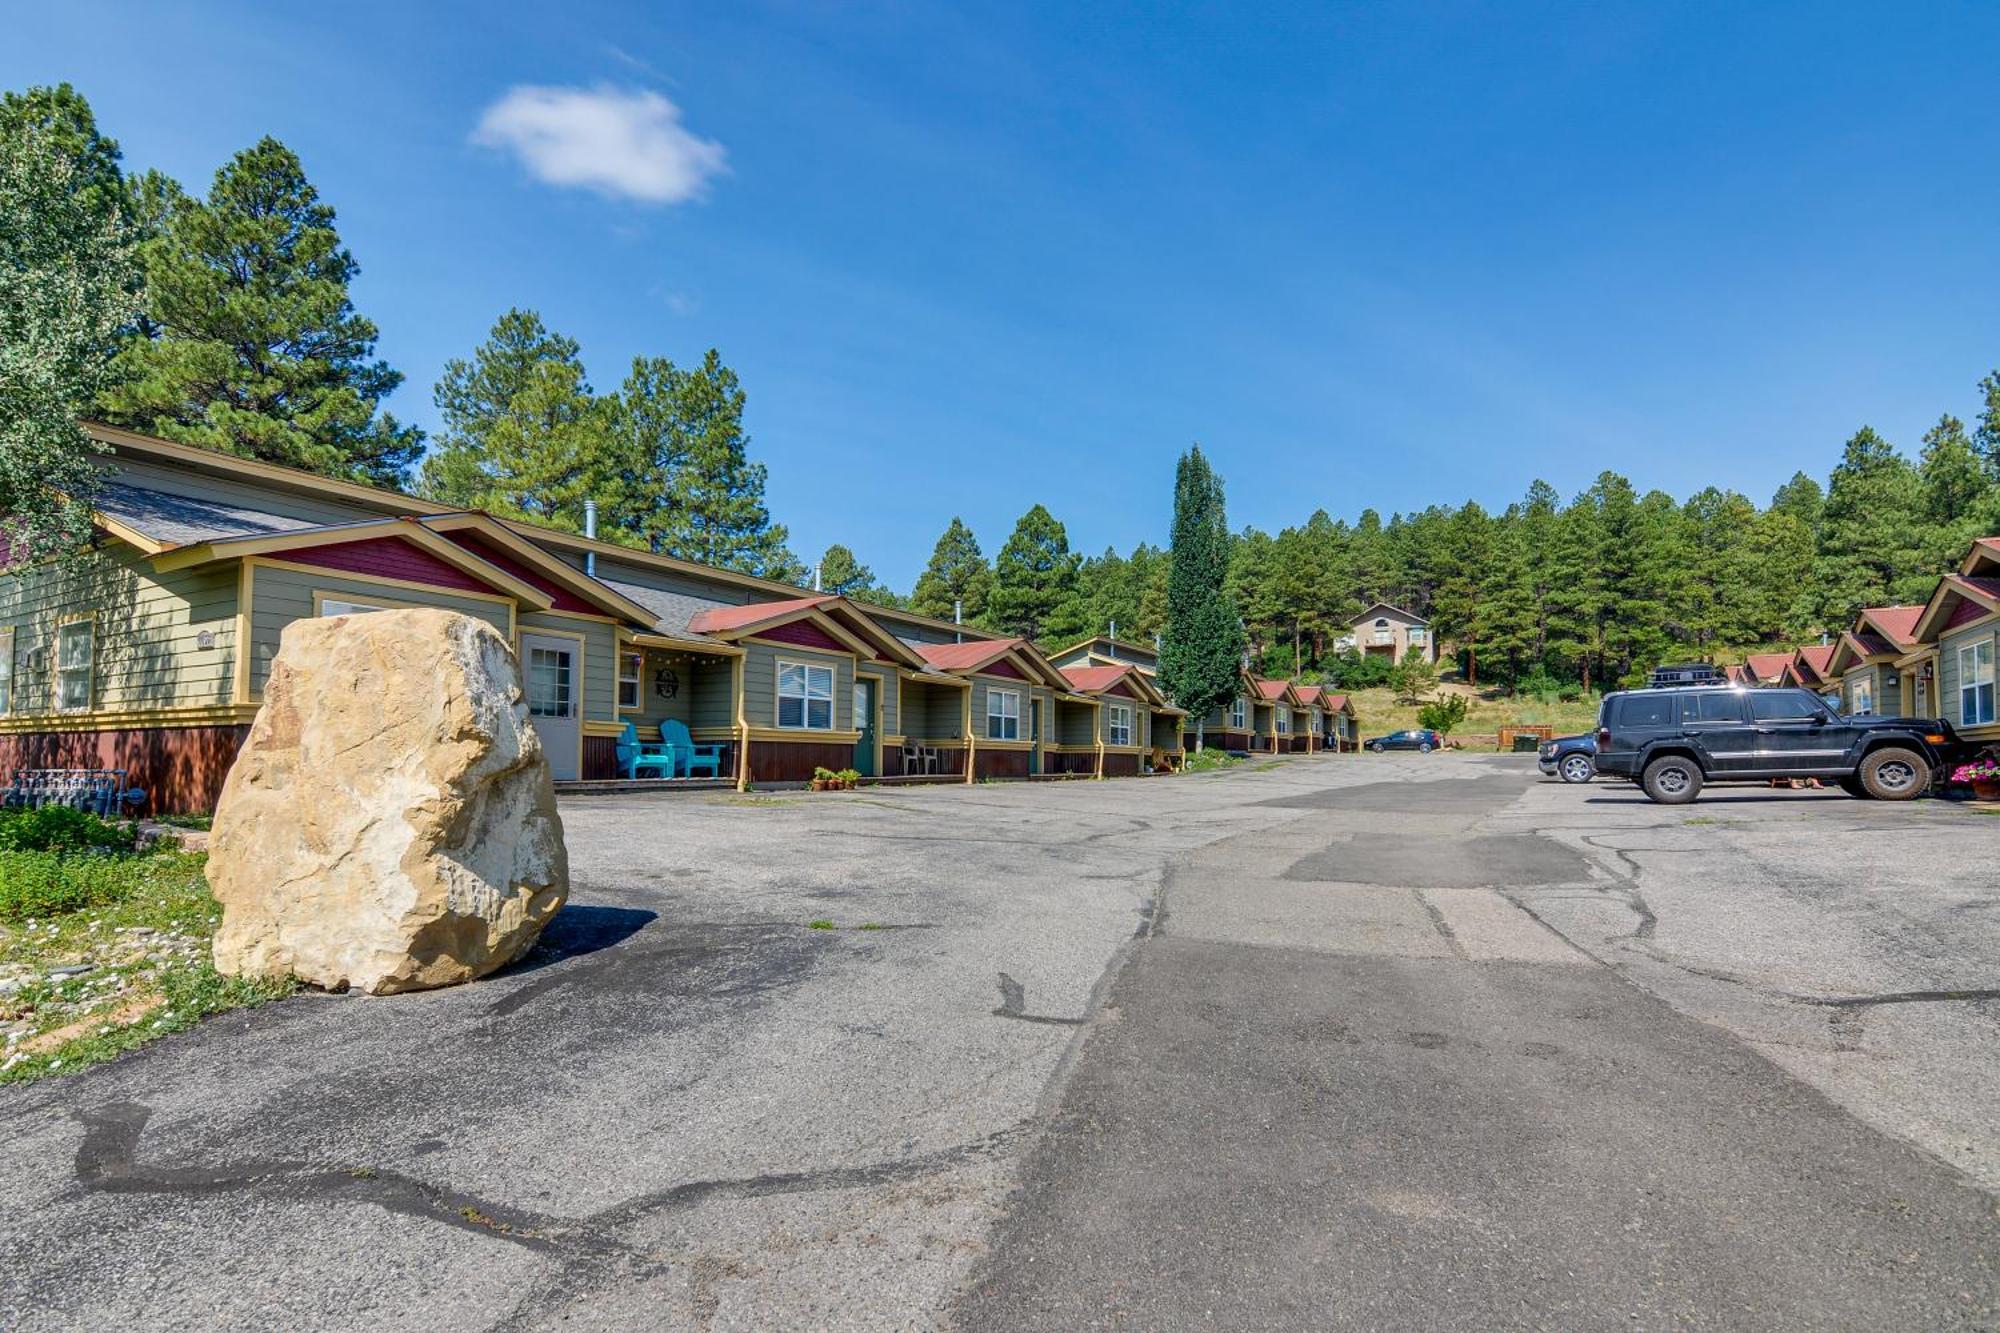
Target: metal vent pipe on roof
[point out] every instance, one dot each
(590, 530)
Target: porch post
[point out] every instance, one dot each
(1097, 730)
(971, 751)
(742, 724)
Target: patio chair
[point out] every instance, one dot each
(635, 756)
(690, 758)
(933, 761)
(913, 760)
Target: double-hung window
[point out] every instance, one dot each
(1003, 715)
(1238, 718)
(1284, 721)
(1975, 684)
(6, 670)
(805, 696)
(76, 651)
(1121, 724)
(629, 667)
(1861, 697)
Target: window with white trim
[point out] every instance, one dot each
(805, 696)
(334, 606)
(1238, 718)
(1003, 715)
(1313, 721)
(1121, 724)
(1861, 697)
(76, 651)
(1416, 634)
(6, 670)
(1284, 721)
(630, 667)
(1975, 684)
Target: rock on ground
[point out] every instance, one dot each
(391, 823)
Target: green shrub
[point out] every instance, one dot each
(1207, 761)
(58, 828)
(45, 884)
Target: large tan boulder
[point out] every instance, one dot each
(390, 823)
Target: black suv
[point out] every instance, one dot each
(1672, 741)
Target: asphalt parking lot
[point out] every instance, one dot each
(1356, 1041)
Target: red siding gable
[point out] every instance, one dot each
(565, 600)
(1005, 668)
(1122, 688)
(805, 634)
(389, 558)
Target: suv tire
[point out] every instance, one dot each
(1576, 768)
(1895, 774)
(1673, 780)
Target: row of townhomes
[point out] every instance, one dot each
(1930, 660)
(150, 655)
(1265, 717)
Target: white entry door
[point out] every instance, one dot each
(553, 704)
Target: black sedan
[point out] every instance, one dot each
(1417, 739)
(1571, 758)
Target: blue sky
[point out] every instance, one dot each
(964, 262)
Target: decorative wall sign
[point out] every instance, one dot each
(666, 683)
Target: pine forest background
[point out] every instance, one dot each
(224, 319)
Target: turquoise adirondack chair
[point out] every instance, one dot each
(648, 757)
(689, 758)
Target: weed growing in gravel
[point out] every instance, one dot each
(821, 924)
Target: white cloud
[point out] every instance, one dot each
(624, 144)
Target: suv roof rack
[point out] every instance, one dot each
(1679, 677)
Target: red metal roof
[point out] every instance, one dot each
(961, 656)
(1898, 622)
(1309, 693)
(1767, 666)
(1094, 680)
(1337, 702)
(1817, 656)
(1273, 689)
(736, 617)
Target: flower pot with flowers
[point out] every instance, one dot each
(1984, 777)
(827, 779)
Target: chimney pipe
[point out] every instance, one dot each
(958, 615)
(590, 530)
(816, 569)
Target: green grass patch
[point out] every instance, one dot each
(141, 923)
(1209, 761)
(821, 924)
(202, 822)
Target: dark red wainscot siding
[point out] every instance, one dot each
(1003, 763)
(180, 768)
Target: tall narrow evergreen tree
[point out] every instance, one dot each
(253, 345)
(1202, 650)
(957, 581)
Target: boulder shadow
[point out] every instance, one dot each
(577, 930)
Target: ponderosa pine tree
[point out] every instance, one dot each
(1870, 549)
(66, 267)
(1034, 581)
(956, 580)
(842, 574)
(253, 346)
(1201, 651)
(523, 435)
(1957, 491)
(709, 502)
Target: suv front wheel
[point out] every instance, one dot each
(1895, 774)
(1673, 780)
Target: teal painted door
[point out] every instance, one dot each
(864, 721)
(1035, 736)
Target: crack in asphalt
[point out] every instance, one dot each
(1896, 997)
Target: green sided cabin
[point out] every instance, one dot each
(1121, 722)
(1864, 659)
(1952, 670)
(1104, 650)
(149, 651)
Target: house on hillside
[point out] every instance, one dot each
(1390, 631)
(150, 653)
(1864, 659)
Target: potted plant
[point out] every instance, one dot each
(1984, 775)
(827, 779)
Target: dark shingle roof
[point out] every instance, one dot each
(181, 520)
(674, 609)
